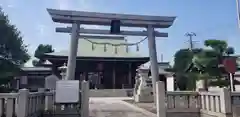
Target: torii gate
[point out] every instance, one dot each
(77, 18)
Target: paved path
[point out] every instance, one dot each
(114, 107)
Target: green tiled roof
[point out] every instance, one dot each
(85, 49)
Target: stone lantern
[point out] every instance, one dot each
(63, 70)
(143, 72)
(143, 91)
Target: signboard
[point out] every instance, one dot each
(67, 91)
(230, 64)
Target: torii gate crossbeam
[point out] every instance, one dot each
(106, 32)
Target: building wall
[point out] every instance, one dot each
(107, 80)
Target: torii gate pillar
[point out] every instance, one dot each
(153, 57)
(71, 65)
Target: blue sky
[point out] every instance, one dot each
(209, 19)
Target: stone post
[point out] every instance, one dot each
(23, 103)
(160, 99)
(49, 101)
(225, 100)
(42, 99)
(85, 99)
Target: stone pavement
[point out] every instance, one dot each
(115, 107)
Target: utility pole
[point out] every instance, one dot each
(190, 35)
(161, 57)
(238, 12)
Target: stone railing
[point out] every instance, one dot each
(222, 103)
(235, 96)
(182, 101)
(35, 104)
(49, 101)
(216, 103)
(8, 104)
(21, 104)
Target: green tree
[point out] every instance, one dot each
(182, 60)
(202, 64)
(41, 49)
(208, 63)
(13, 51)
(11, 42)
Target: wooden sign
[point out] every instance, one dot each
(230, 64)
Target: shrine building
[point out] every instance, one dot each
(103, 63)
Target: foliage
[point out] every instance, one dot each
(39, 52)
(41, 49)
(182, 59)
(13, 51)
(202, 64)
(8, 68)
(208, 62)
(186, 56)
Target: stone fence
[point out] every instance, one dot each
(222, 103)
(35, 104)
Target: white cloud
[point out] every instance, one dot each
(8, 3)
(84, 5)
(11, 3)
(41, 29)
(63, 4)
(10, 6)
(73, 5)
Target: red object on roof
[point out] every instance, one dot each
(230, 64)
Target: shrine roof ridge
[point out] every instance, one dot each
(83, 17)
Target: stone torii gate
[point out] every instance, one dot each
(77, 18)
